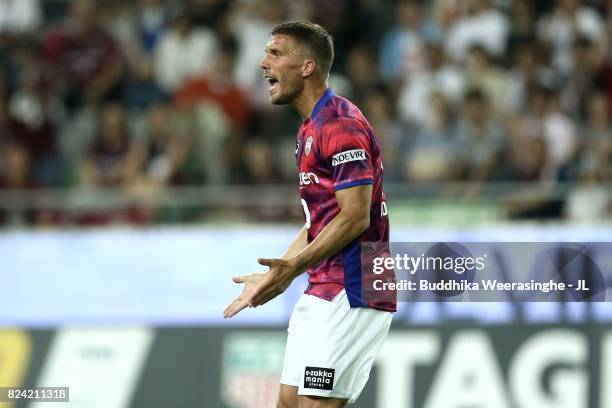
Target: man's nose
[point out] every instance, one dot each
(263, 64)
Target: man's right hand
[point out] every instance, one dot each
(251, 282)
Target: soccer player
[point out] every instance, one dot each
(334, 332)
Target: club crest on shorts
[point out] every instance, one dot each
(319, 378)
(308, 145)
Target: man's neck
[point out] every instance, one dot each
(306, 101)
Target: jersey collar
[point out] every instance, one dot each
(321, 103)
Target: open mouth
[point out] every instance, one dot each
(273, 83)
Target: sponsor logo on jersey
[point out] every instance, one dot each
(319, 378)
(308, 145)
(348, 156)
(307, 178)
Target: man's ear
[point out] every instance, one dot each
(308, 68)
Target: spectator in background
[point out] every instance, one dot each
(14, 167)
(362, 22)
(113, 159)
(402, 52)
(152, 16)
(136, 26)
(480, 139)
(15, 160)
(259, 162)
(220, 109)
(480, 24)
(559, 133)
(207, 13)
(591, 72)
(163, 153)
(118, 19)
(160, 156)
(217, 86)
(480, 73)
(440, 76)
(141, 91)
(596, 156)
(522, 25)
(9, 70)
(560, 28)
(18, 17)
(528, 69)
(182, 52)
(544, 121)
(589, 200)
(392, 134)
(431, 155)
(35, 111)
(526, 160)
(525, 132)
(29, 158)
(251, 22)
(446, 12)
(83, 61)
(361, 72)
(18, 156)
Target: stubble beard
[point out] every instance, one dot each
(287, 97)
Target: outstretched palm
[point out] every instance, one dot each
(259, 288)
(251, 282)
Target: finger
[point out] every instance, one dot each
(228, 308)
(230, 305)
(239, 279)
(265, 261)
(262, 292)
(236, 308)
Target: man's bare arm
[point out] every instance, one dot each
(300, 242)
(252, 281)
(352, 220)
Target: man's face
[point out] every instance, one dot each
(282, 67)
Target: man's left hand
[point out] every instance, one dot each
(279, 277)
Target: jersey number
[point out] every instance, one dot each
(306, 213)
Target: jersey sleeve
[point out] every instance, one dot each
(347, 150)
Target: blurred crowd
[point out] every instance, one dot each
(142, 94)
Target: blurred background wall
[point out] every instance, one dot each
(142, 166)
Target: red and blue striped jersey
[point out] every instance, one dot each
(337, 149)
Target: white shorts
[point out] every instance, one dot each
(331, 347)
